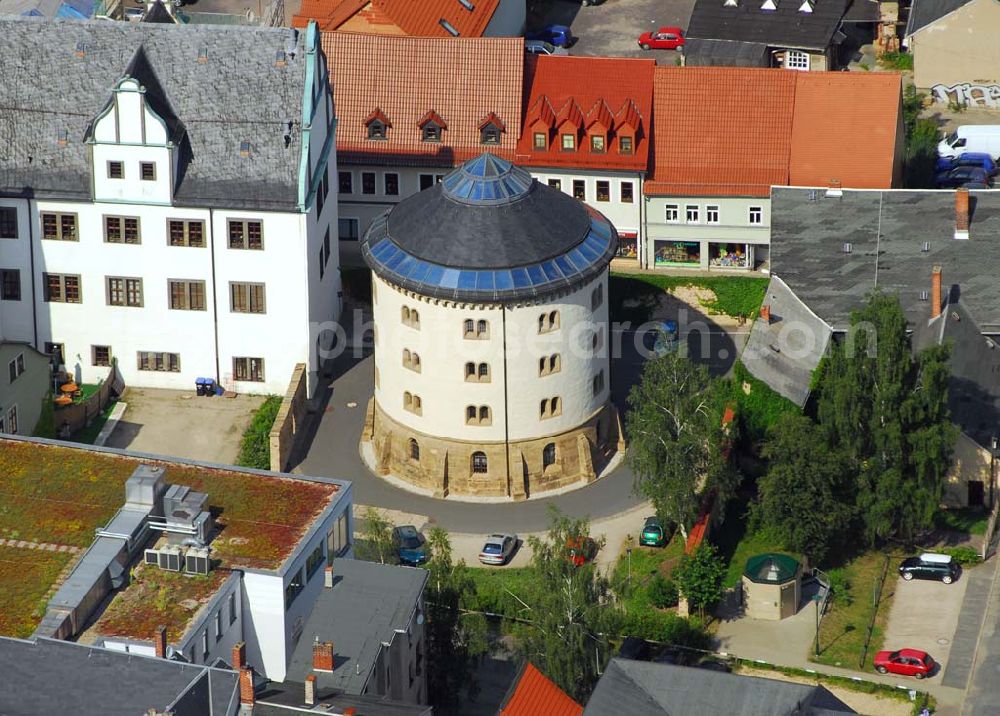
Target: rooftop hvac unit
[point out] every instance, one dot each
(196, 560)
(170, 558)
(152, 557)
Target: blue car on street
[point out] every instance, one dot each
(980, 160)
(411, 547)
(557, 35)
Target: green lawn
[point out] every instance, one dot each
(89, 434)
(969, 520)
(842, 631)
(25, 577)
(734, 295)
(498, 590)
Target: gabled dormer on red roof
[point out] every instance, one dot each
(431, 126)
(628, 127)
(490, 129)
(539, 123)
(600, 123)
(378, 125)
(569, 125)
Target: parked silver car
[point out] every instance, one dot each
(498, 549)
(541, 47)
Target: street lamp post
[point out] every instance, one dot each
(816, 598)
(628, 552)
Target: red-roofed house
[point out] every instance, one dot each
(535, 695)
(586, 130)
(726, 135)
(416, 18)
(409, 109)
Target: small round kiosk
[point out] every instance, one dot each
(772, 586)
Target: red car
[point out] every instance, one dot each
(666, 38)
(907, 662)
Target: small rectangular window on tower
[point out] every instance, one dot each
(147, 171)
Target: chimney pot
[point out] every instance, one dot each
(765, 313)
(239, 655)
(962, 213)
(323, 656)
(835, 188)
(349, 711)
(247, 696)
(161, 642)
(310, 695)
(935, 292)
(328, 577)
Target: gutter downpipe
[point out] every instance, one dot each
(506, 416)
(215, 295)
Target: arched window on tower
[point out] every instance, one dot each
(479, 463)
(548, 455)
(414, 450)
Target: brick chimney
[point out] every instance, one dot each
(350, 711)
(239, 655)
(935, 292)
(322, 655)
(328, 577)
(160, 644)
(962, 213)
(247, 696)
(311, 690)
(765, 313)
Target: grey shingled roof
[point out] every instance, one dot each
(366, 605)
(289, 700)
(239, 94)
(783, 27)
(807, 238)
(48, 676)
(785, 352)
(924, 12)
(699, 52)
(640, 687)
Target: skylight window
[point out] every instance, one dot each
(449, 27)
(769, 5)
(467, 5)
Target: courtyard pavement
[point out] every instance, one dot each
(180, 424)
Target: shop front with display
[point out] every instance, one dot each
(685, 254)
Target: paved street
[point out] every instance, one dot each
(613, 27)
(924, 615)
(970, 621)
(983, 696)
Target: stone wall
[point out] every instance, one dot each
(445, 466)
(290, 420)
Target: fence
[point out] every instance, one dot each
(290, 420)
(76, 416)
(877, 597)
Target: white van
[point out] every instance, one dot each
(971, 138)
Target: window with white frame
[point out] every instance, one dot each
(672, 214)
(797, 60)
(692, 213)
(712, 214)
(756, 215)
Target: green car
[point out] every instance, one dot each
(653, 534)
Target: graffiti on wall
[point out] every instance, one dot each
(985, 96)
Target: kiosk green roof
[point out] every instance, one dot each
(771, 568)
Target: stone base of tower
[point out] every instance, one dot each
(516, 470)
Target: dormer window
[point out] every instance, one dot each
(568, 142)
(432, 132)
(597, 143)
(490, 134)
(625, 145)
(539, 141)
(769, 5)
(376, 130)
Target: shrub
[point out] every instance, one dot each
(665, 627)
(965, 556)
(840, 587)
(759, 410)
(897, 60)
(662, 592)
(255, 448)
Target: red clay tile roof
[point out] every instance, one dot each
(461, 80)
(845, 128)
(583, 90)
(417, 18)
(738, 131)
(535, 695)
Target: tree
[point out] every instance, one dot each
(376, 544)
(569, 610)
(454, 641)
(886, 411)
(675, 431)
(807, 495)
(699, 577)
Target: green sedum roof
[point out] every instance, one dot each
(771, 568)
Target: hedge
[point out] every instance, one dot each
(255, 448)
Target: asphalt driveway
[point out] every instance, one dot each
(613, 27)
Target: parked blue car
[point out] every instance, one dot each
(963, 176)
(968, 159)
(557, 35)
(411, 547)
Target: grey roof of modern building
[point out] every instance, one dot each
(784, 351)
(703, 52)
(60, 74)
(366, 605)
(974, 389)
(641, 687)
(925, 12)
(490, 233)
(287, 699)
(785, 26)
(49, 676)
(887, 232)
